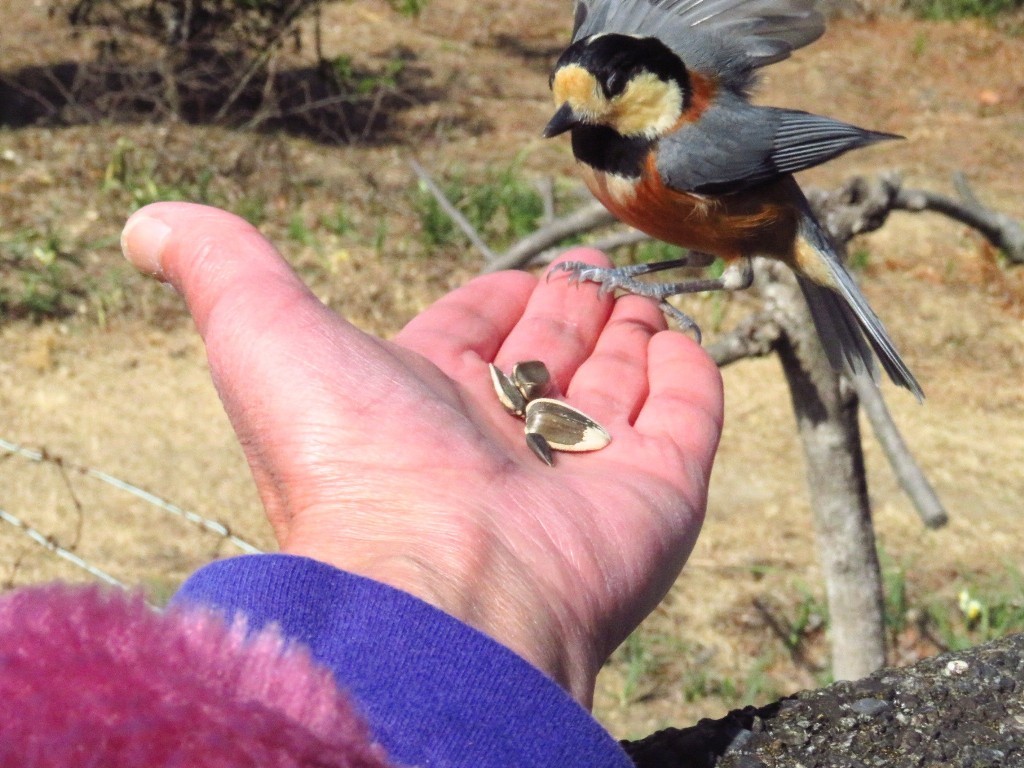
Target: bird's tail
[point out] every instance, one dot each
(845, 322)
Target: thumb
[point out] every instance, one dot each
(216, 260)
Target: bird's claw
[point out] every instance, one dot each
(686, 323)
(580, 271)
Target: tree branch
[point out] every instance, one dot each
(859, 205)
(456, 215)
(909, 473)
(582, 220)
(863, 205)
(755, 336)
(1003, 232)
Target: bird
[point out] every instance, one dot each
(656, 96)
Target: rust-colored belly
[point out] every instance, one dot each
(757, 222)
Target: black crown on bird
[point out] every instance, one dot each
(614, 60)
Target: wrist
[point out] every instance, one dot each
(490, 594)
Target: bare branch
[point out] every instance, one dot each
(454, 213)
(964, 190)
(607, 244)
(755, 336)
(1003, 232)
(911, 478)
(863, 205)
(859, 205)
(584, 219)
(546, 189)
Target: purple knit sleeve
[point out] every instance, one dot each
(435, 691)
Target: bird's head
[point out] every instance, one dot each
(634, 85)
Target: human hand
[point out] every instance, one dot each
(395, 461)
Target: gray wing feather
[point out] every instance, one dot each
(736, 145)
(754, 33)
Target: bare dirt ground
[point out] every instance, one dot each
(122, 384)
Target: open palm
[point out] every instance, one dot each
(394, 460)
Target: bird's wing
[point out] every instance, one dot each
(760, 31)
(735, 145)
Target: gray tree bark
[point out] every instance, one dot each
(826, 414)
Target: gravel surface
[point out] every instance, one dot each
(962, 710)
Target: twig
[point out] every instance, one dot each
(1003, 232)
(48, 543)
(860, 205)
(205, 523)
(964, 190)
(546, 189)
(911, 478)
(286, 25)
(863, 205)
(607, 244)
(619, 240)
(456, 215)
(583, 219)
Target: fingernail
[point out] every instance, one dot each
(142, 242)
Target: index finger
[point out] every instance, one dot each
(476, 318)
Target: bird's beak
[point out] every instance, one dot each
(562, 121)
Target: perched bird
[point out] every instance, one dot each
(655, 94)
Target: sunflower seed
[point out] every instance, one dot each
(532, 379)
(540, 448)
(563, 427)
(508, 393)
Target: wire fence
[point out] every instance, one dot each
(67, 469)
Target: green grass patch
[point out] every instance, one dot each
(502, 207)
(39, 275)
(137, 177)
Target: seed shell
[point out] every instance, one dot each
(508, 393)
(532, 378)
(563, 427)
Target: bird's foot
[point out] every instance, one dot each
(735, 277)
(608, 279)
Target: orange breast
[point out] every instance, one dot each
(756, 222)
